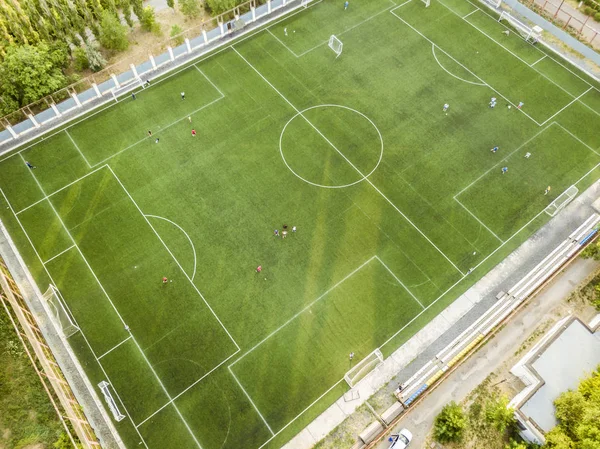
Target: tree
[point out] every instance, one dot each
(498, 414)
(570, 407)
(95, 59)
(221, 6)
(592, 251)
(30, 72)
(148, 20)
(190, 8)
(556, 439)
(171, 4)
(450, 424)
(113, 35)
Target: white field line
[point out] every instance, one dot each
(113, 348)
(167, 393)
(539, 60)
(339, 34)
(111, 302)
(77, 148)
(104, 161)
(576, 138)
(587, 174)
(301, 413)
(80, 329)
(476, 218)
(174, 258)
(565, 107)
(186, 235)
(56, 191)
(535, 47)
(402, 4)
(193, 384)
(352, 273)
(462, 65)
(475, 10)
(210, 82)
(252, 402)
(59, 254)
(329, 290)
(505, 158)
(452, 74)
(521, 59)
(282, 43)
(399, 281)
(367, 180)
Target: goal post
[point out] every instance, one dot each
(561, 201)
(359, 371)
(336, 45)
(426, 2)
(60, 313)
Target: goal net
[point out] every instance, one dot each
(59, 312)
(336, 45)
(528, 33)
(563, 199)
(112, 405)
(362, 368)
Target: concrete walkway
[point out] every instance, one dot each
(490, 357)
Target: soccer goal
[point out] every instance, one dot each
(305, 3)
(427, 3)
(59, 312)
(362, 368)
(336, 45)
(563, 199)
(112, 405)
(528, 33)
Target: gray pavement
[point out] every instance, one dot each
(491, 356)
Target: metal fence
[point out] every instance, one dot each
(126, 75)
(59, 392)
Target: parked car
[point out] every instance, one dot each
(402, 440)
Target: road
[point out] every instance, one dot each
(490, 357)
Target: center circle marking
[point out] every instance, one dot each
(300, 113)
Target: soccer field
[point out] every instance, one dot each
(399, 208)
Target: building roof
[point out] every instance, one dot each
(571, 355)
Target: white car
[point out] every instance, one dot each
(402, 440)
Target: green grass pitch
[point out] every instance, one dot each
(399, 208)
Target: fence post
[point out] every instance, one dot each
(253, 9)
(95, 86)
(171, 55)
(558, 10)
(114, 77)
(188, 45)
(269, 6)
(134, 70)
(205, 37)
(74, 95)
(33, 120)
(153, 62)
(11, 131)
(55, 109)
(222, 28)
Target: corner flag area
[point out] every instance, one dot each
(386, 209)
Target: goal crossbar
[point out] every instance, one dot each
(60, 313)
(336, 45)
(359, 371)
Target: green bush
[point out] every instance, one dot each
(95, 59)
(498, 414)
(176, 34)
(597, 17)
(113, 35)
(190, 8)
(80, 60)
(450, 424)
(148, 20)
(588, 11)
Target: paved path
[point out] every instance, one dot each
(491, 356)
